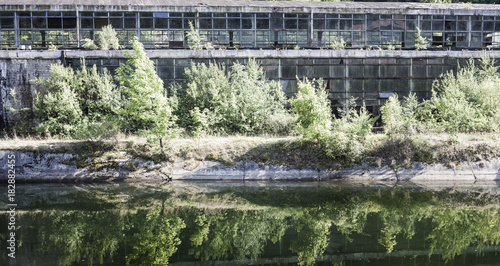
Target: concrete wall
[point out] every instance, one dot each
(17, 68)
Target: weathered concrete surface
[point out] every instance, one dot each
(38, 167)
(266, 53)
(248, 6)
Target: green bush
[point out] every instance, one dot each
(468, 100)
(108, 39)
(401, 119)
(241, 101)
(70, 97)
(347, 141)
(342, 138)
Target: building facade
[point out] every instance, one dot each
(249, 24)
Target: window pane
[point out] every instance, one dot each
(176, 23)
(146, 23)
(24, 23)
(100, 22)
(234, 23)
(291, 24)
(130, 23)
(263, 24)
(69, 23)
(39, 23)
(54, 23)
(116, 22)
(246, 24)
(7, 23)
(161, 23)
(219, 23)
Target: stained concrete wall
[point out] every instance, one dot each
(17, 68)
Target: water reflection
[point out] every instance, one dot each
(239, 223)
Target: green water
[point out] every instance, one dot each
(326, 223)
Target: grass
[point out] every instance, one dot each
(429, 148)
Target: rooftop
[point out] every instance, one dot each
(272, 5)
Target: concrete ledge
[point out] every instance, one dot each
(247, 53)
(61, 167)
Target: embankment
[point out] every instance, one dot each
(249, 158)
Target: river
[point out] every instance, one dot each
(254, 223)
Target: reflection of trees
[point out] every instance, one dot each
(242, 234)
(155, 236)
(456, 229)
(313, 229)
(243, 230)
(76, 235)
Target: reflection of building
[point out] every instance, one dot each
(248, 24)
(370, 76)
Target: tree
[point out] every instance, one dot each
(147, 109)
(421, 43)
(312, 106)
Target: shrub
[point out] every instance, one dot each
(57, 108)
(312, 107)
(147, 109)
(193, 38)
(89, 44)
(241, 101)
(400, 119)
(468, 100)
(338, 43)
(71, 97)
(108, 39)
(347, 141)
(421, 43)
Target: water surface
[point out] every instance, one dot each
(326, 223)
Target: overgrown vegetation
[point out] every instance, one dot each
(342, 138)
(421, 42)
(241, 101)
(107, 39)
(74, 100)
(220, 100)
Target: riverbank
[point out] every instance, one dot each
(423, 157)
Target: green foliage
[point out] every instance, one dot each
(157, 237)
(193, 38)
(312, 107)
(23, 116)
(347, 140)
(241, 101)
(468, 100)
(338, 43)
(421, 43)
(108, 39)
(77, 235)
(312, 237)
(400, 119)
(343, 138)
(89, 44)
(57, 108)
(73, 99)
(52, 47)
(146, 109)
